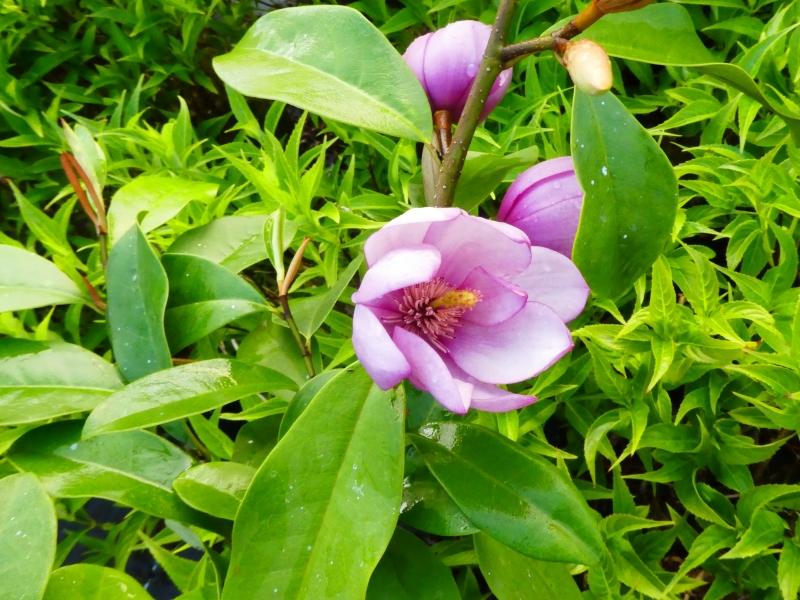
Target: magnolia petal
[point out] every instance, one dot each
(430, 373)
(545, 180)
(408, 229)
(553, 279)
(400, 268)
(379, 355)
(514, 350)
(500, 300)
(491, 398)
(469, 242)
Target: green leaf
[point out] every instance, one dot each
(661, 34)
(535, 508)
(137, 297)
(514, 576)
(203, 386)
(134, 468)
(203, 296)
(630, 197)
(28, 281)
(27, 537)
(483, 172)
(234, 242)
(93, 582)
(322, 508)
(410, 571)
(303, 398)
(157, 198)
(427, 507)
(766, 530)
(664, 34)
(42, 380)
(331, 61)
(273, 346)
(216, 488)
(310, 313)
(43, 227)
(789, 570)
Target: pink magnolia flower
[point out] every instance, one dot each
(545, 202)
(458, 304)
(446, 62)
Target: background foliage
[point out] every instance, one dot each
(133, 423)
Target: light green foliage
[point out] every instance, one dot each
(662, 452)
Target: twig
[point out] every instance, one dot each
(283, 299)
(95, 210)
(490, 67)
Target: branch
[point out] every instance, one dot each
(283, 299)
(490, 67)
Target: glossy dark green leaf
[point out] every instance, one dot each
(630, 197)
(27, 537)
(331, 61)
(216, 488)
(28, 281)
(322, 508)
(410, 571)
(513, 495)
(93, 582)
(427, 507)
(303, 398)
(42, 380)
(514, 576)
(204, 296)
(137, 298)
(180, 392)
(134, 468)
(273, 346)
(234, 242)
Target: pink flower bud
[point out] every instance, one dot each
(545, 202)
(446, 62)
(589, 66)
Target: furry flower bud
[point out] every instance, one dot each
(589, 66)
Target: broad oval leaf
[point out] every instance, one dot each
(27, 537)
(42, 380)
(203, 296)
(630, 194)
(137, 298)
(157, 198)
(427, 507)
(331, 61)
(181, 392)
(93, 582)
(514, 576)
(322, 508)
(134, 468)
(234, 242)
(28, 281)
(410, 571)
(516, 497)
(216, 488)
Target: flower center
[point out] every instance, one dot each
(433, 310)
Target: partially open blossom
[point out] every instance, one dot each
(458, 304)
(446, 62)
(545, 202)
(589, 66)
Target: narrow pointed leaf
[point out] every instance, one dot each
(204, 386)
(28, 281)
(137, 297)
